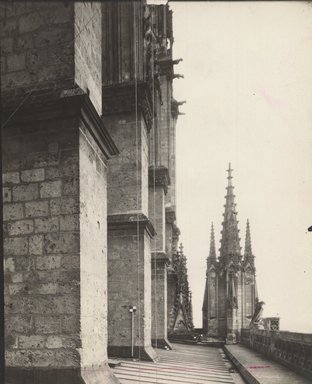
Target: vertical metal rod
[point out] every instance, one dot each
(2, 332)
(132, 332)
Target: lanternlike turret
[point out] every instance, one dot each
(230, 246)
(248, 255)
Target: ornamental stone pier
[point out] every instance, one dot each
(55, 152)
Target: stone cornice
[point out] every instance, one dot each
(120, 98)
(160, 257)
(159, 176)
(132, 221)
(70, 103)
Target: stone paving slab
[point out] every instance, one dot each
(185, 364)
(257, 369)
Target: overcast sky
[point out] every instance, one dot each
(248, 86)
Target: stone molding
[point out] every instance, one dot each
(71, 103)
(121, 98)
(158, 176)
(130, 221)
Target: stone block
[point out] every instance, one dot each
(47, 289)
(37, 208)
(10, 178)
(31, 342)
(15, 62)
(69, 223)
(51, 189)
(25, 264)
(71, 186)
(47, 224)
(12, 211)
(25, 192)
(47, 325)
(19, 323)
(6, 45)
(61, 243)
(64, 205)
(39, 160)
(32, 175)
(48, 262)
(9, 265)
(53, 173)
(21, 227)
(15, 289)
(70, 262)
(6, 195)
(54, 342)
(35, 245)
(17, 278)
(16, 246)
(70, 324)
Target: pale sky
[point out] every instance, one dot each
(248, 87)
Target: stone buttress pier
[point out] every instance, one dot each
(55, 152)
(159, 180)
(127, 113)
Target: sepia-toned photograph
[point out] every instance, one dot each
(156, 162)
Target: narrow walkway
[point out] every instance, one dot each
(189, 364)
(258, 369)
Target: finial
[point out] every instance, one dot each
(230, 177)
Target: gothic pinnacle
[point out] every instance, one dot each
(212, 251)
(248, 249)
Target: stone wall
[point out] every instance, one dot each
(37, 46)
(54, 246)
(288, 348)
(41, 247)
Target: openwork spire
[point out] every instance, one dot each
(212, 251)
(230, 246)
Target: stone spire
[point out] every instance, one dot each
(248, 250)
(212, 251)
(230, 246)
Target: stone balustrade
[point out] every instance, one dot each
(288, 348)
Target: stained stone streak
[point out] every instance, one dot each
(189, 364)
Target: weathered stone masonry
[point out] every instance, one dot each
(55, 152)
(86, 230)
